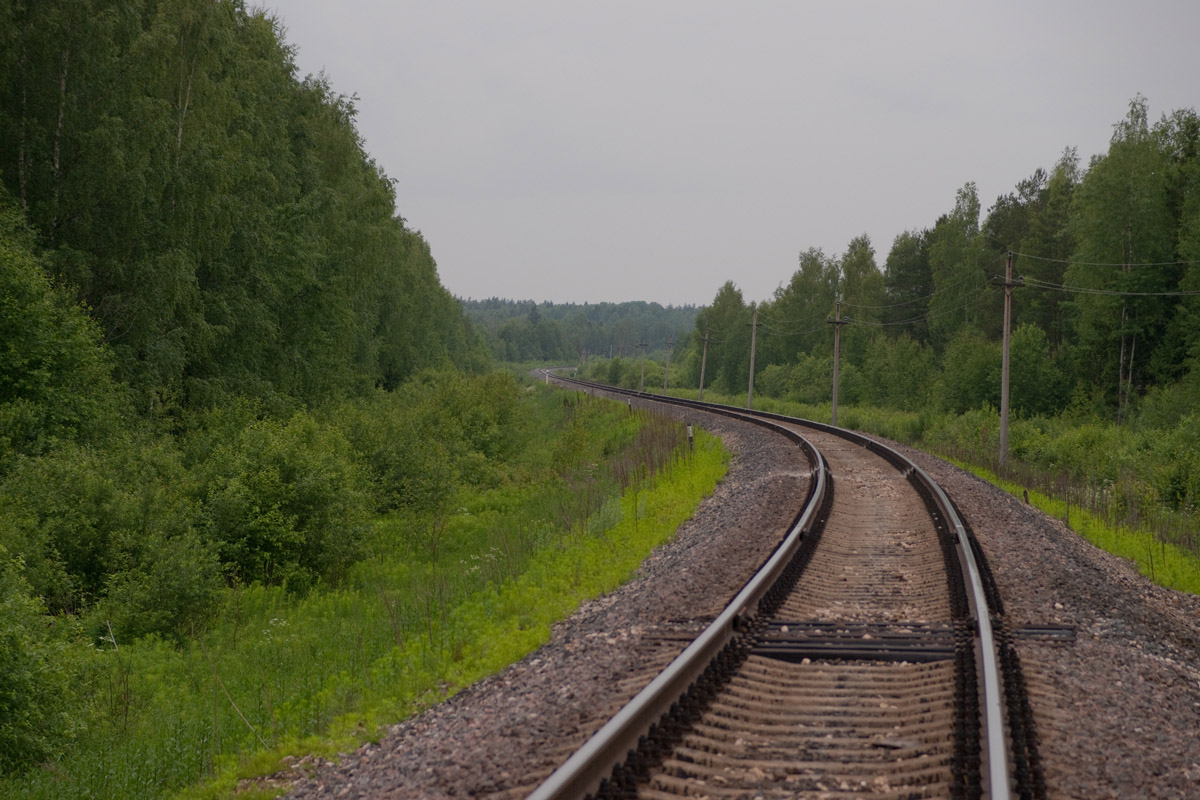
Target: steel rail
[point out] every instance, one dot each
(609, 746)
(998, 767)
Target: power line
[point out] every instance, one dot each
(779, 332)
(957, 308)
(1058, 287)
(1107, 264)
(941, 289)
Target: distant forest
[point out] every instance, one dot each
(523, 330)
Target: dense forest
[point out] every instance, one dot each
(215, 213)
(1107, 320)
(211, 318)
(568, 332)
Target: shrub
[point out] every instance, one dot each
(54, 371)
(168, 586)
(286, 502)
(431, 433)
(35, 721)
(91, 527)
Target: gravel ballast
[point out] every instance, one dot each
(1116, 708)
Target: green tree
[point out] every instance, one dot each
(862, 292)
(908, 283)
(955, 259)
(54, 370)
(1048, 242)
(1121, 219)
(793, 321)
(971, 372)
(1037, 385)
(727, 321)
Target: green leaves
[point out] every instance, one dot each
(54, 372)
(35, 711)
(285, 501)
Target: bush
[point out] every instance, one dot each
(54, 371)
(35, 721)
(421, 440)
(91, 527)
(169, 586)
(286, 502)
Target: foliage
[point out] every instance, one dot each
(284, 501)
(407, 626)
(432, 433)
(84, 521)
(54, 372)
(35, 717)
(972, 372)
(216, 212)
(523, 330)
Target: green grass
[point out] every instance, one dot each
(430, 613)
(1162, 562)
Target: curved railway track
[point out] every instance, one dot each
(867, 657)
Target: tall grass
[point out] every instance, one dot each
(443, 600)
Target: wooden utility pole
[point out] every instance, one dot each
(703, 359)
(667, 370)
(837, 322)
(753, 336)
(1004, 361)
(642, 383)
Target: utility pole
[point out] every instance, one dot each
(1008, 285)
(837, 322)
(667, 369)
(753, 336)
(703, 358)
(642, 383)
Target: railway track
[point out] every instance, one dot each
(868, 657)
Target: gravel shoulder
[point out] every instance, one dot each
(1119, 709)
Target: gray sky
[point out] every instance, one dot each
(592, 151)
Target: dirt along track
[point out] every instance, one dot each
(1116, 706)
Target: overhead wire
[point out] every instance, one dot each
(948, 287)
(1058, 287)
(968, 302)
(1107, 263)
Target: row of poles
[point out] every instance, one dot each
(837, 322)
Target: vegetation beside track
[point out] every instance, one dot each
(1115, 479)
(446, 593)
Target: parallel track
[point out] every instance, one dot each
(856, 662)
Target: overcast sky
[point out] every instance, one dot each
(591, 151)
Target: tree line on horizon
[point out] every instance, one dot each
(525, 330)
